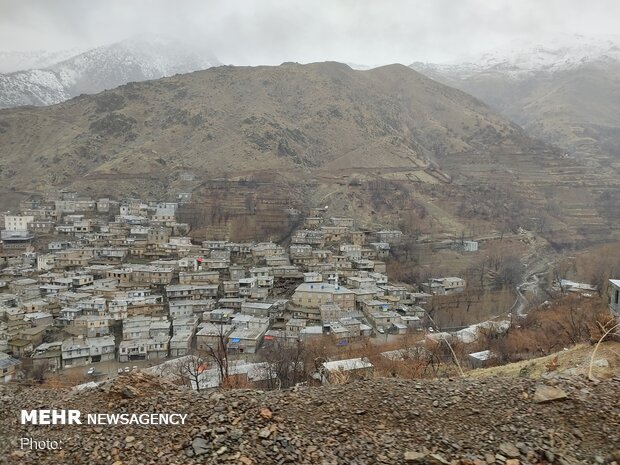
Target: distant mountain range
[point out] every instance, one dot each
(385, 142)
(566, 92)
(558, 53)
(60, 77)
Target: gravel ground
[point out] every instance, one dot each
(383, 421)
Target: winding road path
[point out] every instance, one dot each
(538, 264)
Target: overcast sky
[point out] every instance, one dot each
(272, 31)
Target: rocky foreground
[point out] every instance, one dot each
(383, 421)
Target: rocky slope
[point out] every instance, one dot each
(291, 116)
(450, 421)
(106, 67)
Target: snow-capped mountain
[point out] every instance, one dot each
(523, 58)
(34, 87)
(558, 54)
(106, 67)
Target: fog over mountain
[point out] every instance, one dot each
(565, 90)
(558, 52)
(12, 61)
(271, 32)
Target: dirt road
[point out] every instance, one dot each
(537, 262)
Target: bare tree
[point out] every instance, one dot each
(190, 369)
(560, 272)
(37, 370)
(287, 363)
(507, 271)
(218, 352)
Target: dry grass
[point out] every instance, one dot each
(606, 329)
(339, 377)
(575, 360)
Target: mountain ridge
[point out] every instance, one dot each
(557, 53)
(255, 98)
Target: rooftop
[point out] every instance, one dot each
(322, 287)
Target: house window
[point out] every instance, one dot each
(617, 296)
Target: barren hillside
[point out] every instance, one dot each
(231, 119)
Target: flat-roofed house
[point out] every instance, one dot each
(75, 351)
(180, 344)
(314, 295)
(245, 340)
(134, 349)
(93, 325)
(613, 293)
(211, 334)
(49, 355)
(444, 286)
(295, 325)
(101, 349)
(158, 347)
(9, 367)
(187, 308)
(330, 312)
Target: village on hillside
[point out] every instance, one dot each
(104, 287)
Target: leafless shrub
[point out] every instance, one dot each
(189, 369)
(568, 321)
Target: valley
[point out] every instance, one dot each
(324, 232)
